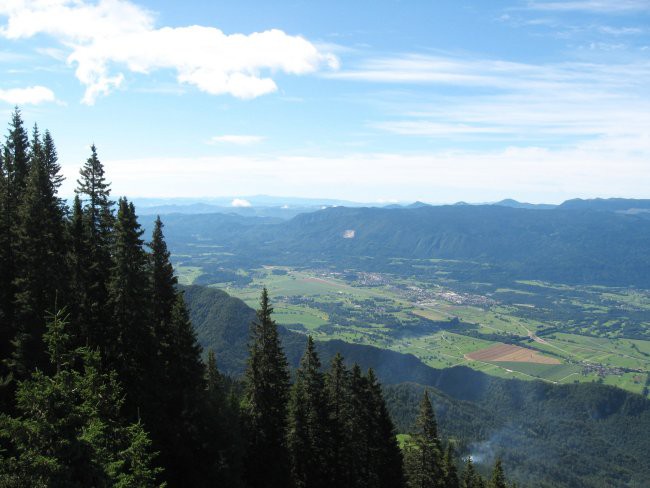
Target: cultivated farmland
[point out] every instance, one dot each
(510, 353)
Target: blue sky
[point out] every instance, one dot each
(539, 100)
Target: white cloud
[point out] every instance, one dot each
(598, 6)
(117, 34)
(619, 31)
(507, 103)
(32, 95)
(240, 140)
(240, 202)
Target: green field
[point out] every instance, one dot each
(404, 315)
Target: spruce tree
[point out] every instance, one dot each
(357, 427)
(498, 479)
(128, 342)
(423, 456)
(386, 464)
(178, 373)
(163, 289)
(78, 262)
(6, 335)
(451, 473)
(308, 437)
(336, 387)
(94, 192)
(18, 154)
(41, 274)
(221, 457)
(265, 403)
(69, 432)
(15, 168)
(470, 478)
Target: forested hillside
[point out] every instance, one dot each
(103, 381)
(575, 246)
(548, 435)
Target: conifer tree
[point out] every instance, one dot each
(470, 478)
(163, 289)
(78, 262)
(357, 428)
(213, 378)
(69, 431)
(450, 471)
(41, 275)
(15, 168)
(386, 464)
(17, 155)
(336, 386)
(423, 456)
(94, 192)
(308, 437)
(128, 343)
(6, 335)
(265, 403)
(498, 479)
(52, 164)
(173, 406)
(221, 437)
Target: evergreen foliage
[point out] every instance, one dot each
(95, 264)
(498, 479)
(128, 342)
(423, 453)
(308, 437)
(40, 258)
(265, 402)
(69, 432)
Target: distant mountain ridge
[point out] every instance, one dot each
(607, 204)
(509, 202)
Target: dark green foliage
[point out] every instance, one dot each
(336, 385)
(40, 282)
(163, 290)
(265, 402)
(94, 193)
(308, 435)
(128, 343)
(14, 169)
(7, 329)
(222, 437)
(17, 155)
(470, 478)
(69, 432)
(385, 454)
(498, 479)
(423, 458)
(449, 468)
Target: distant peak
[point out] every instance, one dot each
(418, 204)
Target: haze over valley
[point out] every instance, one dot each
(389, 244)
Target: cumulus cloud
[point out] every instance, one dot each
(240, 140)
(240, 202)
(32, 95)
(112, 35)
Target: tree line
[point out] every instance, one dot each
(102, 381)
